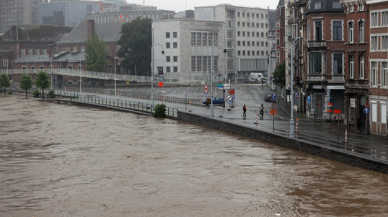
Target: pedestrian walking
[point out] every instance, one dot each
(245, 110)
(262, 110)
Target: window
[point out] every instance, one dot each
(23, 51)
(362, 67)
(243, 34)
(248, 43)
(215, 64)
(215, 37)
(257, 25)
(30, 51)
(243, 52)
(175, 68)
(248, 34)
(258, 53)
(351, 32)
(248, 24)
(262, 44)
(318, 6)
(258, 44)
(351, 66)
(238, 33)
(373, 20)
(315, 63)
(204, 39)
(253, 53)
(266, 44)
(243, 24)
(5, 62)
(262, 53)
(384, 75)
(337, 30)
(262, 16)
(238, 43)
(248, 15)
(204, 63)
(257, 16)
(243, 14)
(192, 63)
(199, 63)
(243, 43)
(238, 14)
(266, 25)
(350, 8)
(361, 31)
(384, 18)
(374, 43)
(318, 30)
(209, 39)
(238, 24)
(294, 33)
(175, 58)
(308, 31)
(337, 64)
(168, 59)
(168, 69)
(384, 42)
(253, 43)
(374, 112)
(383, 110)
(175, 45)
(262, 34)
(193, 39)
(337, 5)
(374, 74)
(167, 45)
(360, 7)
(198, 39)
(248, 53)
(175, 35)
(262, 25)
(37, 51)
(239, 53)
(253, 25)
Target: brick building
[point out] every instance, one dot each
(326, 66)
(356, 63)
(378, 68)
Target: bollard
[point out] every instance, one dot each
(346, 136)
(296, 129)
(221, 113)
(256, 120)
(191, 111)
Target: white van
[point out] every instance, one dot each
(257, 76)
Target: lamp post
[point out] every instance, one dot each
(51, 66)
(152, 71)
(292, 121)
(80, 81)
(115, 75)
(27, 66)
(211, 79)
(7, 65)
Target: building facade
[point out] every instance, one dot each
(378, 65)
(65, 13)
(189, 48)
(245, 36)
(18, 12)
(129, 15)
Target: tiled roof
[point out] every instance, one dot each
(34, 33)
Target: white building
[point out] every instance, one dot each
(188, 49)
(246, 36)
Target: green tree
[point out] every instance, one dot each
(96, 54)
(42, 81)
(4, 82)
(26, 83)
(135, 42)
(279, 75)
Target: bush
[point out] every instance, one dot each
(9, 92)
(35, 93)
(51, 94)
(160, 111)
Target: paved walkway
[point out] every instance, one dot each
(320, 132)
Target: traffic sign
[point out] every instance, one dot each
(337, 111)
(229, 97)
(274, 97)
(366, 110)
(273, 106)
(205, 86)
(220, 86)
(160, 84)
(226, 86)
(366, 105)
(232, 91)
(161, 79)
(273, 112)
(309, 99)
(233, 96)
(297, 95)
(206, 91)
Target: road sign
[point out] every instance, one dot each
(161, 79)
(229, 97)
(297, 95)
(226, 86)
(274, 97)
(232, 91)
(366, 105)
(271, 78)
(329, 111)
(220, 86)
(337, 111)
(366, 110)
(233, 96)
(206, 91)
(309, 99)
(273, 106)
(160, 84)
(273, 112)
(205, 86)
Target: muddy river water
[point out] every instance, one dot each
(58, 160)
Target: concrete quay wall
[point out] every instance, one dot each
(329, 152)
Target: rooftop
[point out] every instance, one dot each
(43, 33)
(319, 6)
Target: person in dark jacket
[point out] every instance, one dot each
(245, 110)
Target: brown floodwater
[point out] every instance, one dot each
(59, 160)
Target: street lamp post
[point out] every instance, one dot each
(51, 66)
(7, 65)
(27, 66)
(211, 79)
(115, 75)
(152, 72)
(292, 121)
(80, 81)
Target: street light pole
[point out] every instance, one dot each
(292, 121)
(51, 66)
(152, 72)
(115, 77)
(27, 66)
(211, 79)
(80, 79)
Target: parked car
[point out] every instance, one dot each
(249, 80)
(268, 97)
(216, 101)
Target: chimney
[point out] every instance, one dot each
(91, 29)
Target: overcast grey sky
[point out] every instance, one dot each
(179, 5)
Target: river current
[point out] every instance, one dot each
(62, 160)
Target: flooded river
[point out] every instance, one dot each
(58, 160)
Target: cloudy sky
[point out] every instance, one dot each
(179, 5)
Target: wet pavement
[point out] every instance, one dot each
(59, 160)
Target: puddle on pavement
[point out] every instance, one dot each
(59, 160)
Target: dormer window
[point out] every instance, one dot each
(318, 5)
(350, 8)
(336, 5)
(360, 7)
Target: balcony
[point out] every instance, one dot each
(316, 44)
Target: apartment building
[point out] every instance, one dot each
(378, 65)
(245, 39)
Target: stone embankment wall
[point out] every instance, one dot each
(251, 132)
